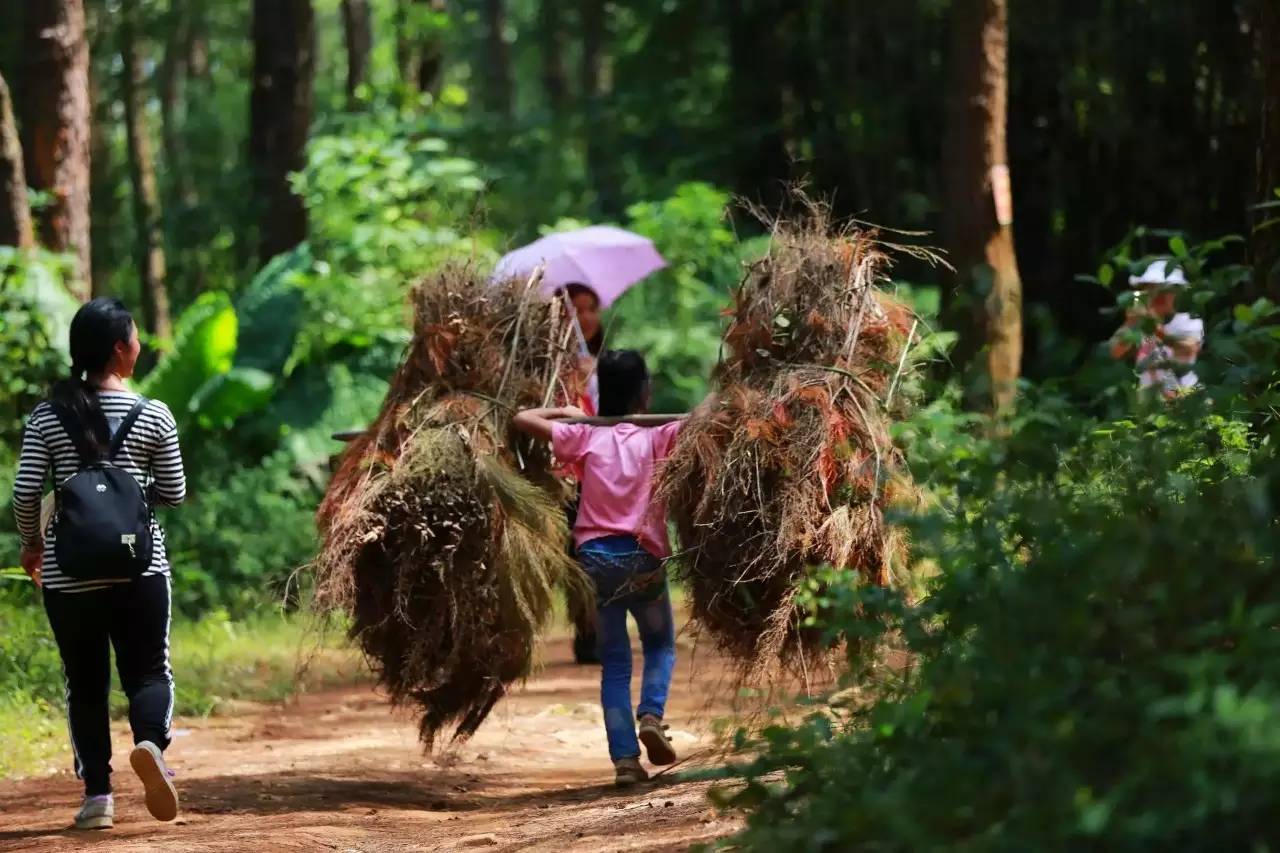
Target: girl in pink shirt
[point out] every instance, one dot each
(621, 537)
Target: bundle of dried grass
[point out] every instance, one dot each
(444, 534)
(792, 465)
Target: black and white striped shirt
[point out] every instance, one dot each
(150, 453)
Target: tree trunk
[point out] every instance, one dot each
(757, 98)
(197, 40)
(15, 209)
(420, 55)
(598, 129)
(149, 247)
(1266, 240)
(497, 75)
(56, 120)
(358, 25)
(555, 85)
(102, 182)
(280, 117)
(988, 298)
(173, 75)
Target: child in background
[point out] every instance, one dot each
(621, 535)
(1177, 337)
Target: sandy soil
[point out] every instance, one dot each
(340, 771)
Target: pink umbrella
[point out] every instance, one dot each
(606, 259)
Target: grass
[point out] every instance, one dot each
(217, 661)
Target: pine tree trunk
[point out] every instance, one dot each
(280, 117)
(555, 86)
(987, 303)
(103, 181)
(173, 76)
(358, 25)
(497, 73)
(149, 247)
(15, 210)
(56, 119)
(1266, 240)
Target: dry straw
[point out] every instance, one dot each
(443, 533)
(792, 464)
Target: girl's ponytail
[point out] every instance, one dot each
(95, 330)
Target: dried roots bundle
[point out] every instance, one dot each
(792, 465)
(443, 534)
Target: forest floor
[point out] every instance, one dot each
(340, 770)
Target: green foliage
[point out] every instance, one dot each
(236, 544)
(204, 344)
(1097, 651)
(387, 202)
(35, 314)
(673, 317)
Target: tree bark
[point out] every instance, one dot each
(358, 25)
(497, 74)
(15, 209)
(174, 70)
(197, 40)
(56, 121)
(555, 85)
(149, 240)
(987, 301)
(1266, 240)
(757, 99)
(280, 117)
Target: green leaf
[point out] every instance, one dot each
(204, 343)
(270, 313)
(231, 395)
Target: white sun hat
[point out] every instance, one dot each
(1159, 275)
(1185, 326)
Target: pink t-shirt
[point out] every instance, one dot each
(615, 466)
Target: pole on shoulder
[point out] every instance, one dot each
(635, 420)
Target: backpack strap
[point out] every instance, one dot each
(75, 431)
(117, 440)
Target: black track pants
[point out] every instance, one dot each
(134, 619)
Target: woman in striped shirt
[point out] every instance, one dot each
(89, 617)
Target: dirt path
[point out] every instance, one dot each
(338, 771)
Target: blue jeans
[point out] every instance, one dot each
(628, 579)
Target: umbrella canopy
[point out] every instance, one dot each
(608, 260)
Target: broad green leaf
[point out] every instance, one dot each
(204, 344)
(231, 395)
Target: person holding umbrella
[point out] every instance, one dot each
(589, 269)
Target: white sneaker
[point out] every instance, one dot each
(162, 798)
(96, 813)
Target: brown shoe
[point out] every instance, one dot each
(653, 734)
(628, 772)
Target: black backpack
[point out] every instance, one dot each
(102, 526)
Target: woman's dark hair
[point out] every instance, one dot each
(623, 377)
(596, 342)
(95, 330)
